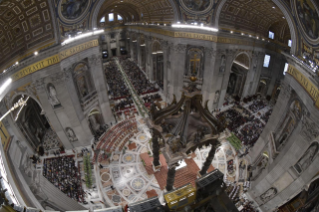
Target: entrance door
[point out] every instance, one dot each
(114, 52)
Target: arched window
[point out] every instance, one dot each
(82, 80)
(102, 20)
(119, 18)
(111, 16)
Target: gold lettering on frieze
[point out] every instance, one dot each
(311, 89)
(36, 67)
(55, 59)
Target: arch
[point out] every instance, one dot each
(283, 9)
(242, 61)
(156, 47)
(82, 79)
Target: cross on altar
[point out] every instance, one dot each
(194, 62)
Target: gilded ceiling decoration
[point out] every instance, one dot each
(250, 15)
(24, 25)
(308, 18)
(145, 10)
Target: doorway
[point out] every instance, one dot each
(113, 52)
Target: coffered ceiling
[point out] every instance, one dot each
(24, 25)
(152, 10)
(251, 15)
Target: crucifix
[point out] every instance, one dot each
(194, 65)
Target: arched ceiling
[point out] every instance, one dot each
(251, 15)
(153, 10)
(24, 25)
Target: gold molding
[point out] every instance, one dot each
(54, 59)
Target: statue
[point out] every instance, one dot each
(270, 193)
(71, 135)
(94, 124)
(305, 161)
(53, 96)
(222, 64)
(216, 97)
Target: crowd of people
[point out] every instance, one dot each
(250, 133)
(232, 119)
(124, 103)
(266, 116)
(117, 87)
(257, 105)
(65, 175)
(138, 78)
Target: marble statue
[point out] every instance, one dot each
(305, 161)
(270, 193)
(94, 124)
(222, 63)
(216, 97)
(71, 135)
(53, 96)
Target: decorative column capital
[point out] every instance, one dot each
(94, 59)
(309, 129)
(179, 48)
(209, 51)
(39, 84)
(58, 78)
(285, 88)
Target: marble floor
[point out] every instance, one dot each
(126, 172)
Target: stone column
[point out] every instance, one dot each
(177, 70)
(276, 71)
(155, 151)
(229, 61)
(165, 48)
(108, 40)
(148, 53)
(99, 80)
(208, 161)
(208, 77)
(255, 82)
(138, 51)
(117, 37)
(170, 178)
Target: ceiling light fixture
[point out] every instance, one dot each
(5, 85)
(194, 27)
(36, 53)
(273, 7)
(17, 63)
(231, 32)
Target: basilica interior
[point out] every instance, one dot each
(159, 105)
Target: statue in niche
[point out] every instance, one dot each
(94, 124)
(195, 62)
(71, 135)
(83, 79)
(305, 161)
(216, 97)
(255, 65)
(242, 169)
(270, 193)
(222, 66)
(54, 101)
(293, 116)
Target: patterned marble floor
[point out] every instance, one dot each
(125, 170)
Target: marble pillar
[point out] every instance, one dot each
(208, 161)
(170, 178)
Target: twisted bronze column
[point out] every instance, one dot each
(208, 161)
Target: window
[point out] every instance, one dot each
(119, 18)
(102, 20)
(289, 43)
(271, 35)
(286, 68)
(142, 15)
(111, 16)
(266, 61)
